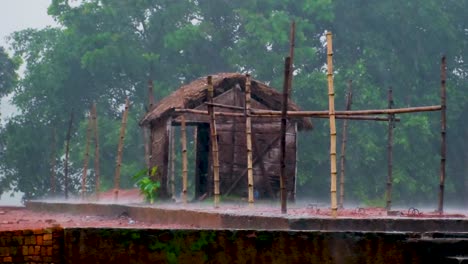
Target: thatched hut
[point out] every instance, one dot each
(229, 90)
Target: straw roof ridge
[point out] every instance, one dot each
(191, 95)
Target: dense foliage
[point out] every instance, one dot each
(106, 50)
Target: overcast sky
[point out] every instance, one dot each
(21, 14)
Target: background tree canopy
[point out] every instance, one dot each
(106, 50)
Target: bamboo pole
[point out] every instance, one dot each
(120, 150)
(53, 161)
(391, 125)
(146, 144)
(283, 194)
(292, 44)
(86, 158)
(443, 133)
(248, 134)
(96, 151)
(214, 142)
(349, 101)
(183, 138)
(173, 153)
(67, 151)
(276, 114)
(331, 107)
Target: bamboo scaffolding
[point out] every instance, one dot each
(86, 157)
(146, 144)
(331, 109)
(120, 150)
(248, 135)
(173, 154)
(96, 151)
(275, 114)
(443, 133)
(67, 151)
(391, 125)
(214, 142)
(287, 68)
(349, 101)
(53, 161)
(183, 138)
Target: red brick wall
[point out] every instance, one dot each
(31, 246)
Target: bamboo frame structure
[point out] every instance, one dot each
(331, 109)
(248, 135)
(183, 138)
(67, 152)
(86, 158)
(150, 95)
(391, 125)
(443, 133)
(214, 141)
(96, 151)
(173, 157)
(120, 150)
(283, 194)
(349, 101)
(292, 45)
(53, 161)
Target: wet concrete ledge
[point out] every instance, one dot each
(210, 219)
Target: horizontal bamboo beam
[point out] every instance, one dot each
(290, 114)
(226, 106)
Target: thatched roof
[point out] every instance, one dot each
(193, 94)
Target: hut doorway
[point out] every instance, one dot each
(202, 160)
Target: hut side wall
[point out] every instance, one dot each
(160, 154)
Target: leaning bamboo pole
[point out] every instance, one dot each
(283, 194)
(67, 151)
(183, 138)
(86, 157)
(150, 95)
(96, 152)
(173, 154)
(214, 142)
(120, 150)
(248, 135)
(391, 125)
(331, 109)
(443, 133)
(292, 44)
(53, 162)
(349, 96)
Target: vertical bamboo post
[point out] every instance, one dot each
(67, 151)
(183, 138)
(146, 144)
(173, 153)
(283, 194)
(391, 125)
(248, 134)
(214, 142)
(331, 109)
(120, 150)
(443, 132)
(86, 158)
(96, 151)
(349, 101)
(53, 161)
(292, 44)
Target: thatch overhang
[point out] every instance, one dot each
(192, 95)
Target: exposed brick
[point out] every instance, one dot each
(43, 251)
(19, 240)
(28, 232)
(4, 251)
(30, 240)
(37, 250)
(47, 237)
(14, 250)
(7, 259)
(39, 240)
(47, 243)
(25, 251)
(38, 232)
(47, 259)
(49, 251)
(31, 250)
